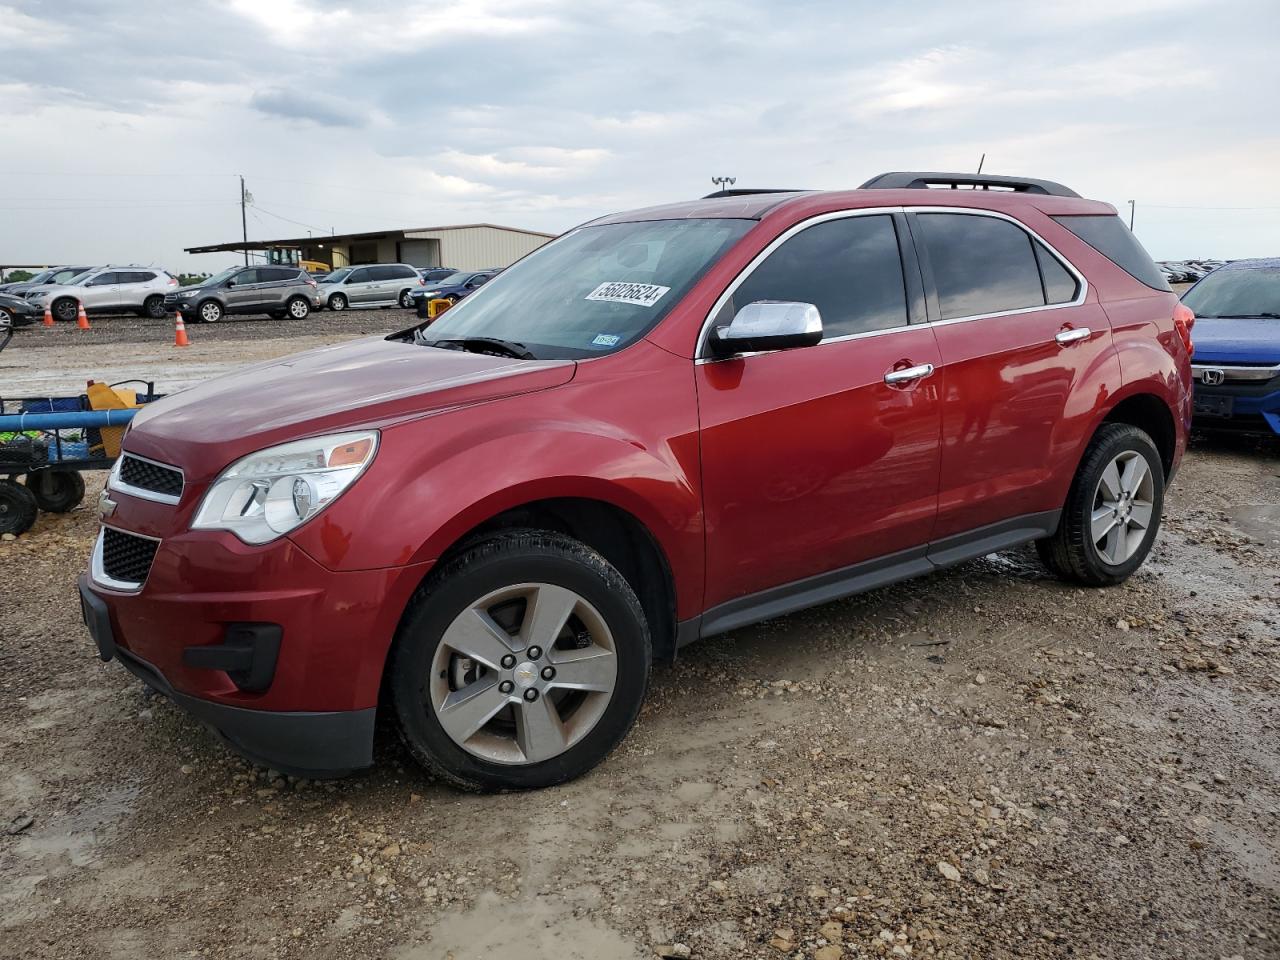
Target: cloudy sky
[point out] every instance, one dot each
(126, 123)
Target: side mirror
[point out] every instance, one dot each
(768, 325)
(231, 283)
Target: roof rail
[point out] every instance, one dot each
(914, 180)
(749, 191)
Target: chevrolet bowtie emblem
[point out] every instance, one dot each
(106, 506)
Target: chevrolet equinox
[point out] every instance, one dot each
(664, 425)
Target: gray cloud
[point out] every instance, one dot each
(544, 113)
(293, 105)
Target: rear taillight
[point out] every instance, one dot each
(173, 281)
(312, 281)
(1183, 321)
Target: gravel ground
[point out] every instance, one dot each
(981, 763)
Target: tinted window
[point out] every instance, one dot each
(381, 273)
(136, 277)
(1110, 237)
(479, 280)
(1059, 285)
(276, 274)
(359, 276)
(103, 279)
(400, 272)
(980, 264)
(246, 276)
(850, 269)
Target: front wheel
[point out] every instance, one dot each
(211, 311)
(1112, 512)
(337, 302)
(522, 663)
(65, 310)
(17, 508)
(56, 491)
(406, 301)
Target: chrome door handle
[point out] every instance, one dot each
(1065, 337)
(895, 377)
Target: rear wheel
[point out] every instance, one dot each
(17, 508)
(1112, 512)
(153, 307)
(210, 311)
(298, 308)
(338, 302)
(56, 491)
(522, 663)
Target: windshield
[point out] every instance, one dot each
(79, 278)
(1238, 292)
(451, 278)
(337, 275)
(593, 291)
(40, 277)
(219, 277)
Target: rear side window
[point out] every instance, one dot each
(276, 274)
(1059, 285)
(401, 273)
(1110, 237)
(382, 273)
(980, 264)
(850, 269)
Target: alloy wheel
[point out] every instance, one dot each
(299, 309)
(523, 673)
(210, 313)
(1123, 504)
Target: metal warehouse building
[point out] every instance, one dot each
(469, 246)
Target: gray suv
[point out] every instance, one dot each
(370, 285)
(110, 289)
(277, 291)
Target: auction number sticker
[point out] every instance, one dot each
(619, 291)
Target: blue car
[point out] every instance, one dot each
(452, 288)
(1236, 366)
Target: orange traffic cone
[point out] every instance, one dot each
(180, 333)
(48, 317)
(82, 319)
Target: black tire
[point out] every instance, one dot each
(210, 311)
(516, 557)
(338, 302)
(406, 302)
(1071, 553)
(56, 491)
(153, 307)
(297, 308)
(17, 508)
(65, 310)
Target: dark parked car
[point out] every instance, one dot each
(45, 278)
(21, 312)
(277, 291)
(453, 288)
(664, 425)
(1237, 361)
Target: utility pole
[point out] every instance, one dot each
(1132, 205)
(981, 162)
(244, 223)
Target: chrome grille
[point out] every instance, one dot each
(146, 475)
(126, 557)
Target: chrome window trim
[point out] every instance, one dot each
(114, 483)
(701, 353)
(99, 575)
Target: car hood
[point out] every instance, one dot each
(1250, 340)
(9, 300)
(373, 382)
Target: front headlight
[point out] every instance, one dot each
(186, 293)
(269, 493)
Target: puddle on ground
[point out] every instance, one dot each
(79, 835)
(534, 929)
(1259, 520)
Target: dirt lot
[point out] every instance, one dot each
(983, 763)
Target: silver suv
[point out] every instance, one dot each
(45, 278)
(110, 289)
(277, 291)
(370, 285)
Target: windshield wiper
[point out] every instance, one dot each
(490, 345)
(1265, 314)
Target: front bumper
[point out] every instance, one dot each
(24, 315)
(316, 744)
(1250, 406)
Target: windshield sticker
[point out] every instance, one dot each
(606, 340)
(619, 291)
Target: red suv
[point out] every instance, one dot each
(666, 424)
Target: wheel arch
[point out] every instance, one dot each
(1151, 414)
